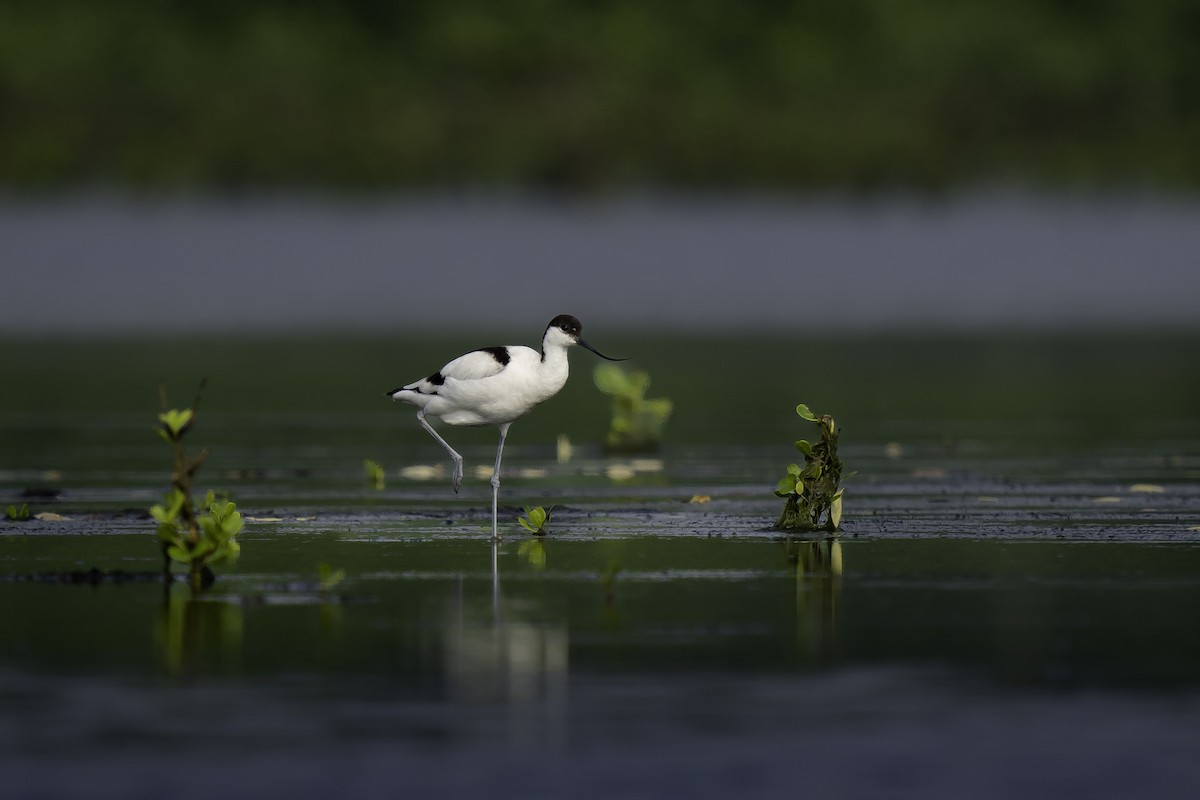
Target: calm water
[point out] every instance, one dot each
(1010, 609)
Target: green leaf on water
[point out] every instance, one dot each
(805, 413)
(375, 473)
(786, 485)
(535, 519)
(229, 551)
(179, 554)
(176, 421)
(657, 409)
(611, 379)
(328, 577)
(168, 533)
(835, 510)
(169, 511)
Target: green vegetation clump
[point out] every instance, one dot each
(536, 519)
(814, 491)
(16, 513)
(376, 476)
(328, 577)
(198, 540)
(637, 423)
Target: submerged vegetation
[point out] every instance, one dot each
(813, 491)
(637, 422)
(198, 540)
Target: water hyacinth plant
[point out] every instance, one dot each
(198, 540)
(637, 423)
(813, 491)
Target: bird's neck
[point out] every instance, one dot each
(554, 356)
(554, 367)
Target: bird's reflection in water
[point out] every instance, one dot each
(509, 651)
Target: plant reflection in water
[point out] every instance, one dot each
(198, 634)
(818, 571)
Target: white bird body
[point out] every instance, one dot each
(495, 386)
(478, 389)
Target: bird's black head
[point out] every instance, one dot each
(569, 325)
(572, 328)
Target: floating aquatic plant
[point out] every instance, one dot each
(328, 577)
(637, 422)
(17, 513)
(813, 491)
(198, 540)
(535, 519)
(375, 473)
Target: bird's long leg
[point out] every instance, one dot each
(456, 478)
(496, 477)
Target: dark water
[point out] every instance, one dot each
(1010, 608)
(923, 668)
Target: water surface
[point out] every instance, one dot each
(1009, 609)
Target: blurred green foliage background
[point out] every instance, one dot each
(362, 94)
